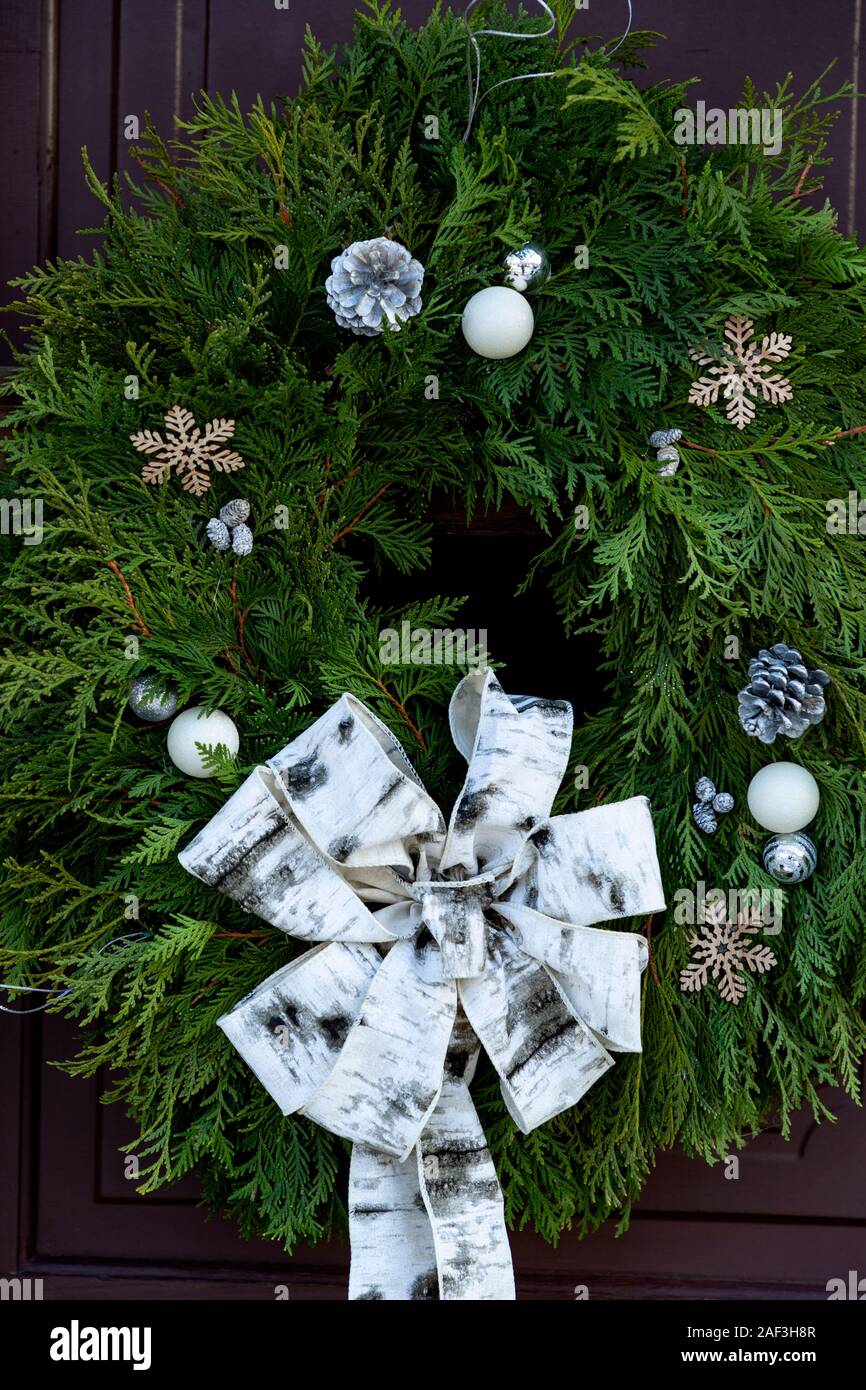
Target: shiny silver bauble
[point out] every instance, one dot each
(790, 858)
(149, 701)
(527, 268)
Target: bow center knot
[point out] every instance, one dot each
(452, 939)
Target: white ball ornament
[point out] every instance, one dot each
(193, 726)
(783, 797)
(497, 322)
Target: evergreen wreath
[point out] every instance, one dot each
(343, 449)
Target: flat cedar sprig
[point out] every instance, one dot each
(344, 442)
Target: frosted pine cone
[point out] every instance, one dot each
(242, 539)
(705, 789)
(218, 534)
(702, 811)
(234, 512)
(661, 439)
(371, 281)
(782, 696)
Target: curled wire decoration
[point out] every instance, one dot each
(473, 48)
(60, 993)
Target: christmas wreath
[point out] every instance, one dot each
(212, 332)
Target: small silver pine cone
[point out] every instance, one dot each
(705, 789)
(723, 802)
(782, 696)
(218, 534)
(702, 811)
(242, 539)
(669, 458)
(659, 439)
(234, 512)
(373, 282)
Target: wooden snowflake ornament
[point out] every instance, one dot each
(742, 371)
(726, 950)
(188, 450)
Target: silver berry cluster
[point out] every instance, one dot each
(710, 805)
(667, 454)
(229, 530)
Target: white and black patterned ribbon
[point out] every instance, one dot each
(431, 942)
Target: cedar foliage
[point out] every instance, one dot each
(343, 449)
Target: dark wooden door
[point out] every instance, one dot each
(794, 1217)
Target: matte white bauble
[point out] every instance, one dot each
(783, 797)
(193, 726)
(497, 322)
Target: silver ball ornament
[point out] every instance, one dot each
(148, 702)
(527, 268)
(790, 858)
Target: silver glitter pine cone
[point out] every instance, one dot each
(234, 512)
(148, 702)
(782, 696)
(527, 268)
(669, 457)
(661, 439)
(702, 812)
(790, 858)
(242, 539)
(218, 534)
(374, 283)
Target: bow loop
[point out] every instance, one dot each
(598, 971)
(593, 866)
(254, 852)
(354, 791)
(517, 748)
(545, 1057)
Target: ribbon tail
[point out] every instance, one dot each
(393, 1255)
(464, 1202)
(433, 1226)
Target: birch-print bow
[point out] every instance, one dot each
(434, 941)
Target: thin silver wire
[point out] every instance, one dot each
(61, 993)
(476, 96)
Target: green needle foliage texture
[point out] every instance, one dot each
(190, 299)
